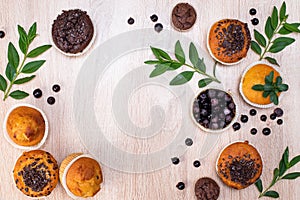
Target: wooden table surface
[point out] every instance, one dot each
(110, 19)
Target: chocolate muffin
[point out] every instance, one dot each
(183, 16)
(36, 173)
(207, 189)
(72, 31)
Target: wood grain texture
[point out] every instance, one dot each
(110, 19)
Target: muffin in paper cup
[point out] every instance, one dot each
(80, 175)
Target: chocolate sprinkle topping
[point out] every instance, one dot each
(35, 177)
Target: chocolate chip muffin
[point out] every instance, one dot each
(207, 189)
(36, 173)
(72, 31)
(183, 16)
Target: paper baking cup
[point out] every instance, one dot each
(79, 53)
(241, 86)
(217, 130)
(213, 56)
(37, 146)
(64, 168)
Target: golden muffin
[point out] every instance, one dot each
(36, 173)
(256, 75)
(83, 176)
(229, 41)
(25, 126)
(239, 165)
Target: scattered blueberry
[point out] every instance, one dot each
(154, 18)
(130, 21)
(189, 142)
(252, 11)
(278, 112)
(266, 131)
(244, 118)
(236, 126)
(255, 21)
(253, 131)
(158, 27)
(37, 93)
(175, 160)
(263, 118)
(2, 34)
(51, 100)
(180, 186)
(273, 116)
(252, 112)
(197, 163)
(56, 88)
(279, 121)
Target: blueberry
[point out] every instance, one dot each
(158, 27)
(180, 186)
(51, 100)
(2, 34)
(56, 88)
(197, 163)
(253, 131)
(154, 18)
(279, 121)
(255, 21)
(130, 21)
(37, 93)
(189, 142)
(236, 126)
(175, 160)
(273, 116)
(252, 112)
(244, 118)
(266, 131)
(252, 11)
(278, 112)
(263, 118)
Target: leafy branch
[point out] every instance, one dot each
(271, 88)
(279, 174)
(164, 63)
(275, 24)
(14, 68)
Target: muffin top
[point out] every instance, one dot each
(84, 177)
(36, 173)
(25, 126)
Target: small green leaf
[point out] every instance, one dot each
(24, 80)
(282, 11)
(278, 80)
(13, 56)
(274, 98)
(23, 40)
(38, 51)
(269, 78)
(258, 87)
(32, 66)
(152, 62)
(3, 83)
(174, 66)
(200, 65)
(182, 78)
(159, 69)
(283, 87)
(272, 194)
(282, 167)
(32, 33)
(255, 47)
(204, 82)
(259, 185)
(294, 161)
(269, 31)
(272, 60)
(285, 157)
(193, 54)
(179, 54)
(275, 175)
(268, 88)
(260, 38)
(274, 18)
(292, 27)
(18, 94)
(279, 46)
(159, 54)
(284, 31)
(10, 72)
(286, 40)
(292, 176)
(266, 94)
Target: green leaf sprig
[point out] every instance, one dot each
(279, 173)
(275, 24)
(164, 63)
(14, 68)
(271, 88)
